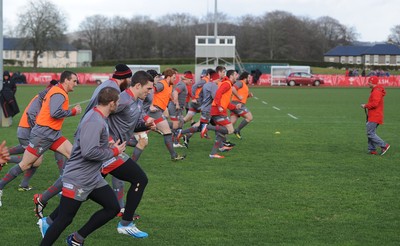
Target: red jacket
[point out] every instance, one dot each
(375, 104)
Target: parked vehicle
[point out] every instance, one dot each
(100, 78)
(303, 78)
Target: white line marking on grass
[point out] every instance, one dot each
(255, 98)
(294, 117)
(71, 105)
(264, 102)
(276, 108)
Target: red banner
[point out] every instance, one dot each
(265, 79)
(84, 78)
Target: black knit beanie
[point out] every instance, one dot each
(122, 71)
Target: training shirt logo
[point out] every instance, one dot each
(80, 191)
(68, 186)
(107, 163)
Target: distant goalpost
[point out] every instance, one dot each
(279, 73)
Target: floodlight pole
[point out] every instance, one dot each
(215, 20)
(3, 121)
(215, 30)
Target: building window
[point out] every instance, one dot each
(358, 59)
(342, 59)
(367, 59)
(387, 59)
(28, 54)
(331, 59)
(211, 40)
(351, 60)
(376, 59)
(67, 54)
(17, 55)
(397, 59)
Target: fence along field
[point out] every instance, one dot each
(330, 80)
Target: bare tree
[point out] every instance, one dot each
(119, 38)
(42, 26)
(277, 28)
(114, 38)
(93, 29)
(177, 38)
(277, 35)
(395, 34)
(248, 37)
(333, 33)
(312, 42)
(141, 41)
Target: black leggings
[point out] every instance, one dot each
(130, 171)
(65, 212)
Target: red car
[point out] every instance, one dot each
(302, 78)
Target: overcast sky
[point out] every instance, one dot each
(372, 19)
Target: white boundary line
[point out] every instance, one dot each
(71, 105)
(276, 108)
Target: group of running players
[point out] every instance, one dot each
(121, 112)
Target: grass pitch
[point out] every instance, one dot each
(312, 184)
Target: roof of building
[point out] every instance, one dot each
(21, 44)
(359, 50)
(383, 49)
(346, 51)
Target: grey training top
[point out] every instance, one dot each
(182, 93)
(197, 85)
(127, 117)
(90, 149)
(94, 99)
(238, 84)
(209, 91)
(148, 101)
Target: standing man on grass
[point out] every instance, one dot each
(375, 107)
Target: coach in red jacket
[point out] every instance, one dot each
(375, 107)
